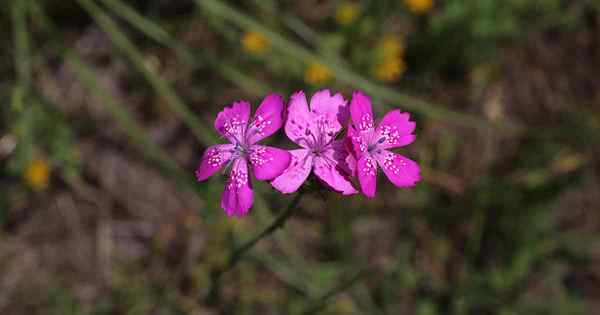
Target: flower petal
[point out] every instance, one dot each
(330, 167)
(231, 121)
(293, 177)
(237, 197)
(267, 119)
(401, 171)
(361, 111)
(395, 130)
(366, 169)
(331, 109)
(268, 162)
(358, 141)
(299, 122)
(213, 159)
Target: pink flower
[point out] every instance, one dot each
(266, 162)
(370, 145)
(315, 130)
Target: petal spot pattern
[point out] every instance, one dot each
(260, 123)
(234, 126)
(366, 122)
(237, 179)
(370, 167)
(214, 157)
(389, 134)
(260, 156)
(388, 163)
(362, 144)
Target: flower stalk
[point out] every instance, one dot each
(240, 251)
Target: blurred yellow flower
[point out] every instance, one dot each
(391, 46)
(37, 174)
(390, 69)
(390, 63)
(419, 6)
(347, 13)
(255, 42)
(317, 74)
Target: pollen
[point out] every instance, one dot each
(317, 74)
(419, 6)
(347, 13)
(37, 174)
(255, 42)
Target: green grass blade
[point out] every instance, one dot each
(132, 129)
(191, 57)
(21, 38)
(137, 59)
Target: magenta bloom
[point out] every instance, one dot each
(370, 145)
(266, 162)
(315, 130)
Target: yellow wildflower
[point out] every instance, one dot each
(419, 6)
(37, 174)
(255, 42)
(391, 46)
(347, 13)
(390, 63)
(390, 69)
(317, 74)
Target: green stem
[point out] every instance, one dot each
(321, 302)
(239, 252)
(22, 55)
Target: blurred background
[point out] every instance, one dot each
(107, 106)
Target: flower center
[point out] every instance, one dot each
(240, 149)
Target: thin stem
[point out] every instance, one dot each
(278, 223)
(21, 38)
(239, 252)
(321, 302)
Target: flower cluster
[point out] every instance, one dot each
(316, 126)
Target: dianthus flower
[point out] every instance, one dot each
(315, 130)
(265, 162)
(370, 144)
